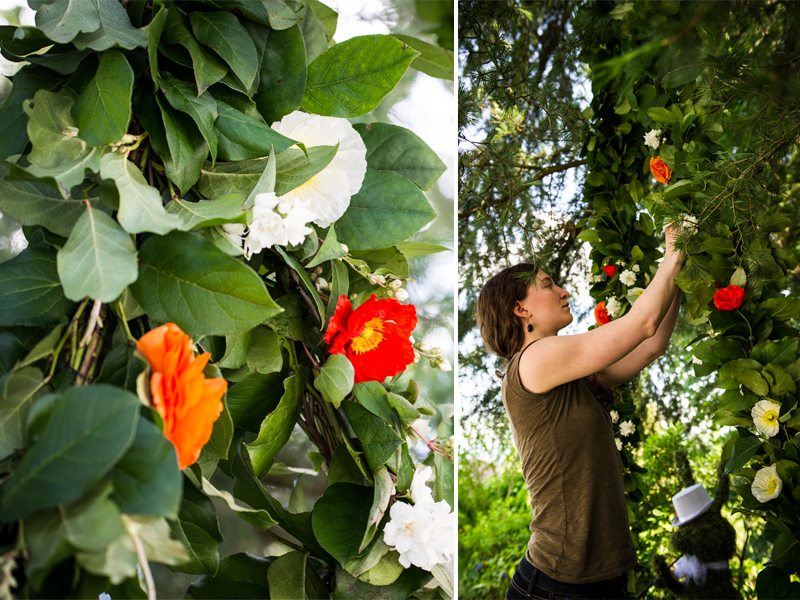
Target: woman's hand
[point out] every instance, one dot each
(670, 235)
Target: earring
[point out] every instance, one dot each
(530, 328)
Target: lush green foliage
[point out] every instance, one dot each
(135, 138)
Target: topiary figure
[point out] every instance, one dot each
(707, 542)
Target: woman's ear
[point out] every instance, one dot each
(520, 310)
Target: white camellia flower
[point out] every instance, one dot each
(618, 443)
(652, 138)
(626, 428)
(613, 306)
(614, 416)
(328, 192)
(765, 417)
(767, 484)
(628, 277)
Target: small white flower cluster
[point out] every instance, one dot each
(687, 222)
(626, 428)
(392, 283)
(653, 138)
(435, 356)
(285, 220)
(319, 281)
(628, 277)
(423, 532)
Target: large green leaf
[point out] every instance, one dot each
(335, 379)
(207, 68)
(90, 429)
(243, 136)
(295, 166)
(377, 437)
(409, 581)
(201, 108)
(283, 74)
(62, 20)
(388, 209)
(13, 130)
(207, 213)
(57, 150)
(16, 392)
(291, 576)
(32, 201)
(252, 398)
(32, 293)
(239, 576)
(197, 526)
(230, 178)
(278, 425)
(351, 78)
(99, 259)
(432, 60)
(340, 519)
(225, 35)
(147, 481)
(114, 29)
(257, 517)
(782, 308)
(394, 148)
(744, 449)
(103, 109)
(154, 30)
(186, 149)
(185, 279)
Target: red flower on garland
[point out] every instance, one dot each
(660, 170)
(729, 298)
(601, 314)
(187, 402)
(610, 270)
(374, 337)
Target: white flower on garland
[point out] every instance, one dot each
(618, 443)
(767, 484)
(634, 293)
(635, 268)
(276, 222)
(626, 428)
(628, 277)
(614, 416)
(328, 192)
(687, 221)
(652, 138)
(765, 417)
(613, 306)
(423, 532)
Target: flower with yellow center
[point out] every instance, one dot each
(765, 417)
(767, 484)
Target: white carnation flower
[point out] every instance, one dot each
(767, 484)
(328, 192)
(626, 428)
(618, 443)
(296, 215)
(652, 138)
(628, 277)
(614, 416)
(613, 306)
(321, 284)
(765, 417)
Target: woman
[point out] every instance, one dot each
(580, 545)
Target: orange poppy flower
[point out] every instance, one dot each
(601, 314)
(187, 402)
(660, 170)
(374, 337)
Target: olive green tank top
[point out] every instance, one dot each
(565, 440)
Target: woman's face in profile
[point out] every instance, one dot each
(547, 302)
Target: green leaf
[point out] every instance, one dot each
(394, 148)
(225, 35)
(352, 77)
(294, 166)
(99, 259)
(718, 245)
(185, 279)
(103, 110)
(201, 108)
(17, 390)
(409, 581)
(335, 379)
(154, 30)
(207, 213)
(244, 136)
(13, 130)
(305, 280)
(62, 20)
(772, 583)
(377, 437)
(783, 309)
(238, 576)
(264, 352)
(114, 29)
(57, 150)
(340, 519)
(661, 115)
(90, 429)
(744, 449)
(92, 523)
(198, 528)
(432, 60)
(443, 483)
(32, 293)
(230, 178)
(278, 426)
(739, 278)
(206, 67)
(283, 74)
(290, 576)
(317, 36)
(32, 201)
(147, 481)
(387, 210)
(384, 488)
(678, 189)
(258, 518)
(331, 249)
(783, 382)
(372, 396)
(185, 151)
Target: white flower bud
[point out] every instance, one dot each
(445, 365)
(395, 284)
(401, 295)
(321, 284)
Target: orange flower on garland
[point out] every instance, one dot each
(729, 298)
(187, 401)
(374, 337)
(601, 314)
(660, 170)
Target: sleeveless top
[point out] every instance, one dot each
(565, 440)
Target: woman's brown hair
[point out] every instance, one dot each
(500, 328)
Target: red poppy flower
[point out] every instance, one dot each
(660, 170)
(601, 314)
(187, 401)
(374, 337)
(610, 270)
(729, 298)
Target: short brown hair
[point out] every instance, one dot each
(500, 327)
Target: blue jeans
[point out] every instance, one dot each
(529, 583)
